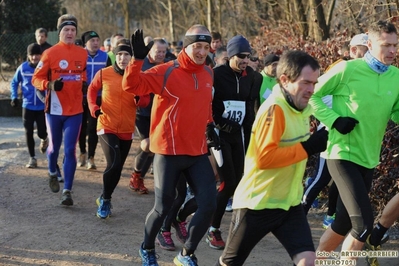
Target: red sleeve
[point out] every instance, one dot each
(141, 83)
(94, 87)
(267, 135)
(40, 76)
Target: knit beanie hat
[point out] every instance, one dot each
(34, 48)
(86, 36)
(66, 20)
(238, 44)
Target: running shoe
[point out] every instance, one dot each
(148, 257)
(229, 206)
(181, 260)
(66, 198)
(43, 145)
(91, 165)
(164, 240)
(371, 261)
(104, 207)
(53, 183)
(82, 160)
(214, 239)
(328, 220)
(181, 230)
(137, 183)
(32, 163)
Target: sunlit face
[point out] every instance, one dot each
(271, 69)
(302, 88)
(254, 63)
(93, 45)
(157, 53)
(122, 58)
(34, 58)
(115, 40)
(222, 59)
(216, 43)
(40, 37)
(239, 64)
(357, 51)
(68, 34)
(198, 51)
(383, 47)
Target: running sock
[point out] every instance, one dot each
(377, 234)
(65, 190)
(212, 229)
(187, 252)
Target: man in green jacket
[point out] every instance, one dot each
(365, 96)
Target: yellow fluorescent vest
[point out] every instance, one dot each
(275, 187)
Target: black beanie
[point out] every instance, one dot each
(88, 35)
(34, 48)
(236, 45)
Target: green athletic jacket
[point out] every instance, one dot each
(361, 93)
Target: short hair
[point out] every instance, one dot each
(220, 51)
(197, 28)
(160, 40)
(116, 34)
(123, 41)
(41, 30)
(379, 27)
(216, 35)
(292, 62)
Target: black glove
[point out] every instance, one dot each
(14, 102)
(344, 125)
(230, 126)
(85, 86)
(212, 137)
(98, 113)
(55, 85)
(140, 50)
(317, 142)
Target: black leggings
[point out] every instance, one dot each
(89, 127)
(230, 173)
(29, 117)
(143, 159)
(181, 190)
(321, 180)
(353, 207)
(168, 169)
(115, 151)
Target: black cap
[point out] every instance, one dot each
(270, 59)
(34, 48)
(88, 35)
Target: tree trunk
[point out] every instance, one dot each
(171, 21)
(321, 29)
(301, 18)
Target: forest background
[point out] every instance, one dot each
(322, 28)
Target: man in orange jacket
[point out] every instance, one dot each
(181, 124)
(62, 73)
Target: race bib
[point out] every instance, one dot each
(234, 111)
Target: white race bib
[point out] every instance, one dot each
(234, 111)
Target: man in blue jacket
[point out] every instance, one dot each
(32, 106)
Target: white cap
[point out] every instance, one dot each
(359, 39)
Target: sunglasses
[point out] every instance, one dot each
(254, 59)
(242, 56)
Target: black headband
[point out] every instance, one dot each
(120, 48)
(189, 39)
(66, 23)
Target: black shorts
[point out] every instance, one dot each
(248, 227)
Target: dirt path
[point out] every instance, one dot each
(36, 230)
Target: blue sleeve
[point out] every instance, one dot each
(15, 82)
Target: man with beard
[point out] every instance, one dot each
(234, 113)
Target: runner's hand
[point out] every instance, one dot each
(344, 125)
(140, 50)
(212, 137)
(317, 142)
